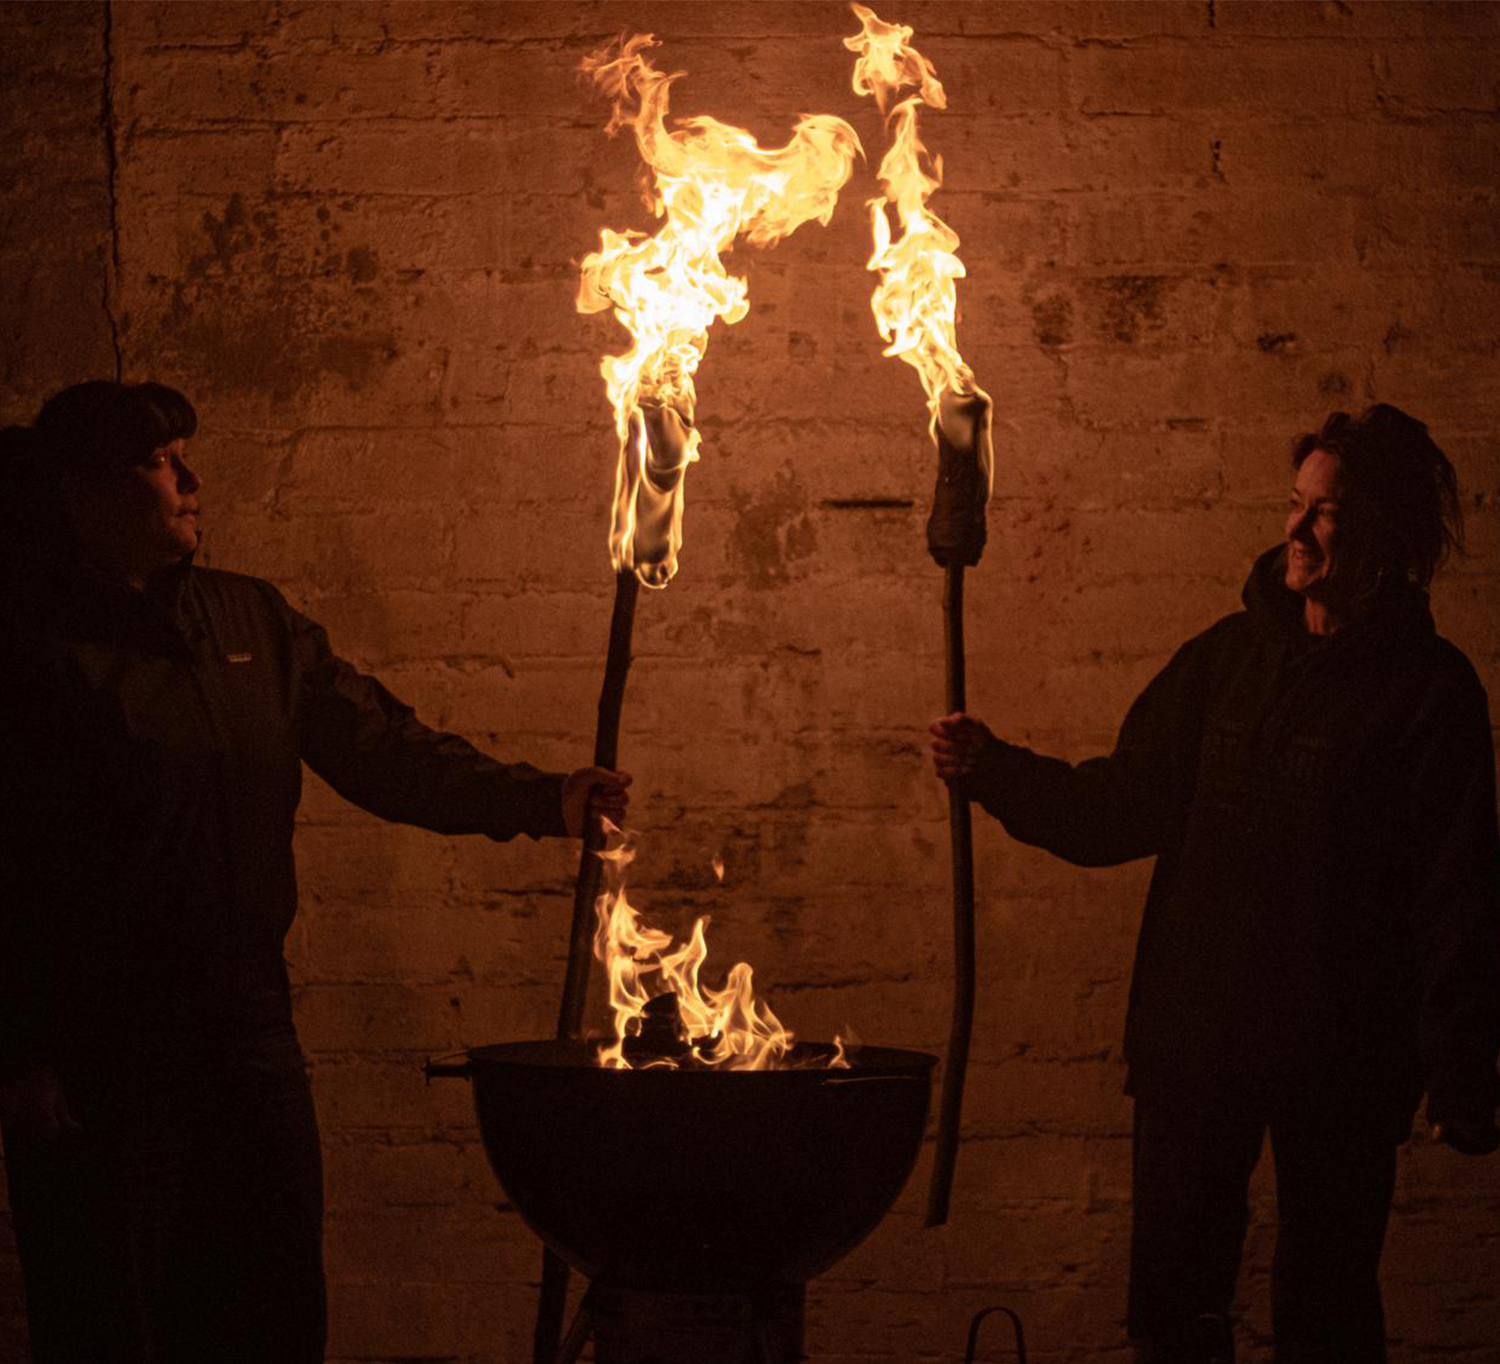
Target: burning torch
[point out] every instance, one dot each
(915, 305)
(710, 184)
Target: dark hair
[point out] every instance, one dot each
(86, 429)
(1391, 461)
(102, 424)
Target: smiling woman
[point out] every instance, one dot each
(1375, 504)
(1321, 941)
(1313, 527)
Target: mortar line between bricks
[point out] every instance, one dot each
(111, 160)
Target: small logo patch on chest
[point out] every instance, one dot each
(238, 658)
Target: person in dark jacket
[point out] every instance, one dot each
(161, 1147)
(1315, 777)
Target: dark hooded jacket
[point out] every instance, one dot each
(1323, 924)
(151, 751)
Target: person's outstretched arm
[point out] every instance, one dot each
(371, 748)
(1105, 810)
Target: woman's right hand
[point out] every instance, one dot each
(34, 1109)
(958, 745)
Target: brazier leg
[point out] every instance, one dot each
(579, 1331)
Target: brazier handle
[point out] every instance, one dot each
(832, 1081)
(1015, 1323)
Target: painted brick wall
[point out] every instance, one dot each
(350, 232)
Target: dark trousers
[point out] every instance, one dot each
(184, 1226)
(1334, 1181)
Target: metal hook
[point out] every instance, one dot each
(1015, 1322)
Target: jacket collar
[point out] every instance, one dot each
(57, 586)
(1399, 612)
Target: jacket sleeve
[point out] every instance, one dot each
(1456, 899)
(1108, 810)
(372, 750)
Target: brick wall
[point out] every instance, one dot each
(349, 231)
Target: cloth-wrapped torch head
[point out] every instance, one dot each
(956, 528)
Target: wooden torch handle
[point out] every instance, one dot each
(552, 1300)
(950, 1107)
(606, 754)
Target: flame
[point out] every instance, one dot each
(711, 184)
(726, 1028)
(916, 301)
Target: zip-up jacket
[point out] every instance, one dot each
(151, 751)
(1323, 922)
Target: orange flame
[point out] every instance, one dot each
(712, 184)
(916, 301)
(727, 1028)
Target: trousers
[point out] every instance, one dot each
(1191, 1172)
(184, 1224)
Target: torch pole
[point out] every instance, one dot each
(961, 839)
(955, 539)
(606, 754)
(553, 1297)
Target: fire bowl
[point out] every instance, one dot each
(698, 1180)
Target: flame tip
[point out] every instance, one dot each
(710, 184)
(915, 302)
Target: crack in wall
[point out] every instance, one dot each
(111, 162)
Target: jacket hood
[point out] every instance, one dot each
(1398, 612)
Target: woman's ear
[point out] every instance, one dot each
(1368, 553)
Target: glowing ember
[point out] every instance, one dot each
(711, 183)
(916, 301)
(726, 1028)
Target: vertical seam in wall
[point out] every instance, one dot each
(111, 162)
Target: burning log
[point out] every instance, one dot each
(916, 305)
(662, 1036)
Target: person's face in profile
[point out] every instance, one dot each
(1335, 537)
(1314, 524)
(145, 516)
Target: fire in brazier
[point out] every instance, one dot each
(665, 1015)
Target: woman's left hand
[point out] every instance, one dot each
(592, 793)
